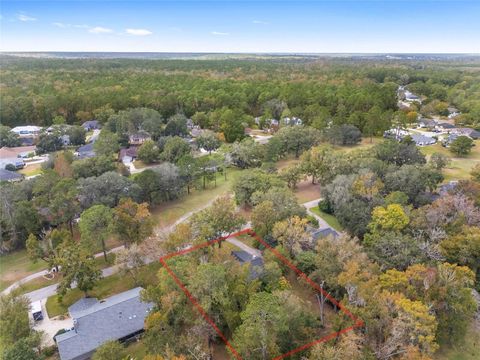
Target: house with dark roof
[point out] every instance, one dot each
(10, 176)
(323, 233)
(119, 317)
(91, 125)
(255, 262)
(85, 151)
(471, 133)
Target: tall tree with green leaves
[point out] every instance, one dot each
(95, 226)
(132, 221)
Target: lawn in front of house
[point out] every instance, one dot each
(330, 219)
(105, 287)
(16, 266)
(31, 169)
(169, 212)
(460, 167)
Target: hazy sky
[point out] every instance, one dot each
(241, 26)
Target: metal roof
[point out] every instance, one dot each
(96, 322)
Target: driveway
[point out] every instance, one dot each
(51, 326)
(244, 247)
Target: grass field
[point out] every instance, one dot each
(167, 213)
(106, 287)
(459, 167)
(30, 170)
(16, 266)
(330, 219)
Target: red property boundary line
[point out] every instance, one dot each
(357, 321)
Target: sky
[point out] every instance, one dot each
(354, 26)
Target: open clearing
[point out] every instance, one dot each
(460, 167)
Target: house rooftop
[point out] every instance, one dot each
(322, 233)
(96, 322)
(256, 262)
(6, 175)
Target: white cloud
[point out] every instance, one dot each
(260, 22)
(220, 33)
(23, 17)
(100, 30)
(138, 32)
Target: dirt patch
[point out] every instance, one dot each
(306, 191)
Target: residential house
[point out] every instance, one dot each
(323, 233)
(85, 151)
(27, 130)
(10, 176)
(139, 138)
(445, 126)
(427, 123)
(255, 262)
(471, 133)
(128, 155)
(422, 140)
(120, 317)
(91, 125)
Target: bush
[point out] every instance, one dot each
(325, 206)
(49, 350)
(312, 220)
(10, 167)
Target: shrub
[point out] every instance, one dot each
(325, 206)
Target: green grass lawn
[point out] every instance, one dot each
(330, 219)
(106, 287)
(16, 266)
(459, 167)
(30, 170)
(167, 213)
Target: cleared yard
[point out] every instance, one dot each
(167, 213)
(459, 167)
(31, 169)
(16, 266)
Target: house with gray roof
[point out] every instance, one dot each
(323, 233)
(255, 262)
(86, 151)
(422, 140)
(119, 317)
(10, 176)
